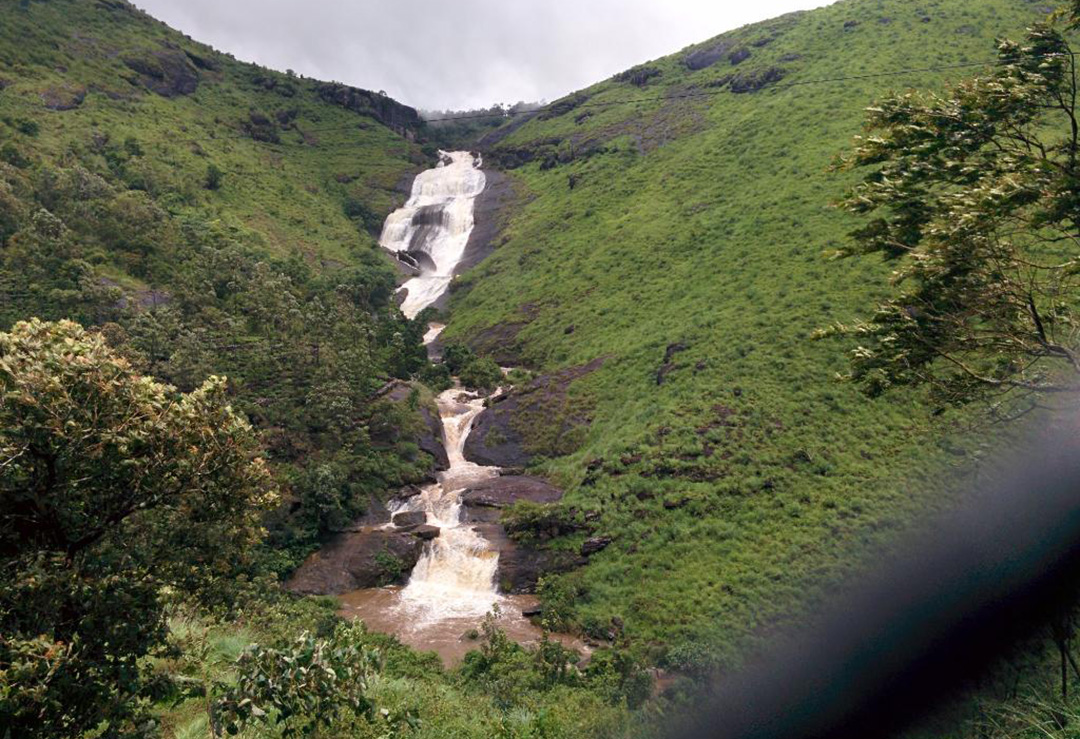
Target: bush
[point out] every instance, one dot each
(214, 177)
(311, 684)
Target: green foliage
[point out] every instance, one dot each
(560, 596)
(214, 177)
(973, 194)
(479, 373)
(111, 486)
(311, 684)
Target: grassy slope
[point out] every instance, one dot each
(706, 222)
(286, 197)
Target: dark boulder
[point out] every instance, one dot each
(426, 532)
(356, 561)
(594, 545)
(410, 519)
(167, 72)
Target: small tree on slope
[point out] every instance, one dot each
(976, 194)
(112, 486)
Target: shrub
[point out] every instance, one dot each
(214, 177)
(313, 683)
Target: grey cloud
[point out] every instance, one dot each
(453, 55)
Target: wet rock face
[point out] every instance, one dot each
(430, 441)
(520, 567)
(168, 72)
(410, 520)
(359, 560)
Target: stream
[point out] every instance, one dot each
(452, 588)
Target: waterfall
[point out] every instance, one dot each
(432, 230)
(455, 576)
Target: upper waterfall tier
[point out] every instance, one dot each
(433, 228)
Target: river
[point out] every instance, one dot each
(453, 586)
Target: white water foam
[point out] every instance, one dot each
(455, 577)
(432, 230)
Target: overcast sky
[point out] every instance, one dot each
(460, 54)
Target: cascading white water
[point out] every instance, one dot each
(432, 230)
(455, 577)
(453, 585)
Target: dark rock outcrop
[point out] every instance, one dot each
(392, 114)
(638, 76)
(63, 97)
(359, 560)
(595, 545)
(167, 72)
(704, 58)
(430, 440)
(757, 80)
(669, 365)
(520, 566)
(740, 55)
(493, 441)
(536, 419)
(485, 501)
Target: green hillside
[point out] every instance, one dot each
(684, 243)
(219, 218)
(660, 268)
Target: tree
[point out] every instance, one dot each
(112, 487)
(975, 195)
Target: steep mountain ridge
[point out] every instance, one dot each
(676, 226)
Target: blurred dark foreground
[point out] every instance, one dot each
(942, 612)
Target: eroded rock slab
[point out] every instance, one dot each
(485, 501)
